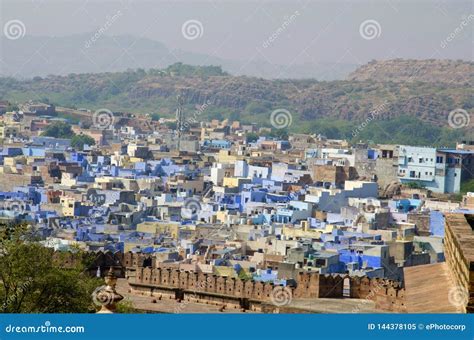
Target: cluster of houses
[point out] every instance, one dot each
(215, 200)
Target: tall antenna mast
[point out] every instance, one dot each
(179, 118)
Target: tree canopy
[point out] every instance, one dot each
(59, 130)
(78, 141)
(33, 281)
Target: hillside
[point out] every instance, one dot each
(332, 107)
(430, 71)
(77, 54)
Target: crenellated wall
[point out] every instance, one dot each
(192, 282)
(146, 276)
(388, 295)
(209, 288)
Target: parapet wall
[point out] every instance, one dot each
(145, 275)
(386, 294)
(459, 254)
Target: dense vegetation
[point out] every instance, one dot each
(78, 141)
(32, 281)
(410, 112)
(467, 186)
(63, 130)
(58, 130)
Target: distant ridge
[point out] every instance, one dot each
(403, 111)
(41, 56)
(409, 70)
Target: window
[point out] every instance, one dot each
(412, 174)
(421, 160)
(410, 159)
(439, 159)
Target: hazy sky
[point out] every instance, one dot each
(302, 31)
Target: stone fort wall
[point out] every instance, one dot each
(146, 276)
(459, 254)
(209, 288)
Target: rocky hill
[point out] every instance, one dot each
(252, 99)
(431, 71)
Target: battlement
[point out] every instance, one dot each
(146, 275)
(387, 294)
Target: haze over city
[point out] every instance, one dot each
(237, 169)
(234, 34)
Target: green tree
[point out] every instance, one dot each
(415, 185)
(155, 117)
(126, 307)
(12, 107)
(467, 186)
(33, 281)
(172, 125)
(243, 275)
(252, 137)
(59, 130)
(78, 141)
(281, 134)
